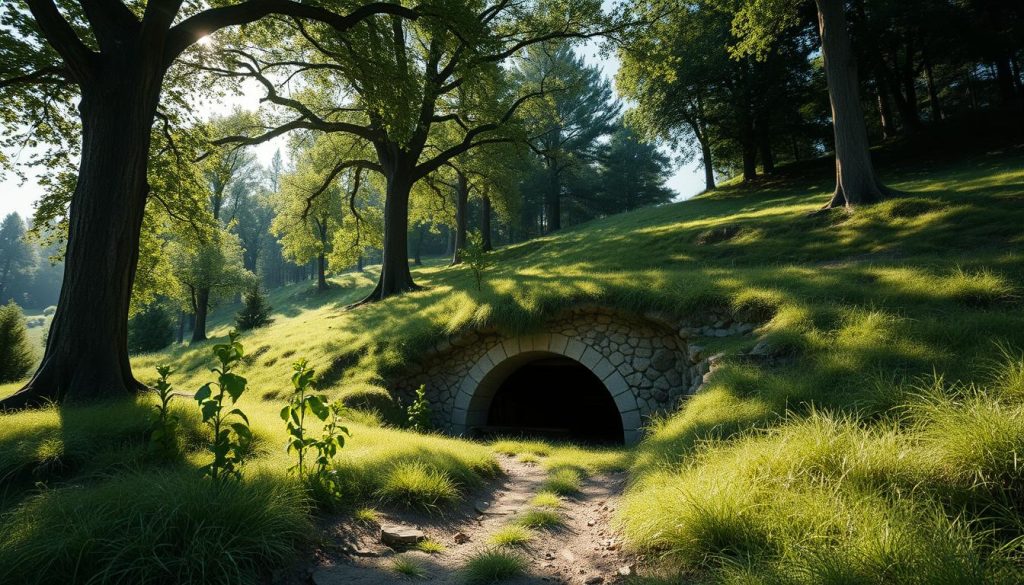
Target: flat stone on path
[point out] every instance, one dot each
(399, 535)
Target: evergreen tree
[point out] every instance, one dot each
(566, 128)
(633, 174)
(255, 310)
(16, 256)
(16, 355)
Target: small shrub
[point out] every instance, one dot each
(303, 402)
(16, 355)
(564, 482)
(150, 330)
(430, 546)
(477, 257)
(491, 566)
(511, 535)
(540, 519)
(414, 485)
(418, 412)
(366, 516)
(163, 438)
(255, 310)
(158, 528)
(546, 499)
(231, 435)
(407, 567)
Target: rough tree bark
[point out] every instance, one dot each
(395, 277)
(708, 162)
(87, 349)
(200, 308)
(321, 272)
(461, 216)
(856, 181)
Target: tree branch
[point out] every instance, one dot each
(196, 27)
(47, 75)
(79, 59)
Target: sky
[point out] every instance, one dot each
(687, 180)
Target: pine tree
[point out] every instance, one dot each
(16, 355)
(255, 311)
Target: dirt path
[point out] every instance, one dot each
(584, 551)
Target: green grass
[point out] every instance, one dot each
(408, 568)
(493, 566)
(431, 546)
(844, 458)
(528, 458)
(154, 527)
(565, 481)
(540, 519)
(414, 484)
(546, 499)
(366, 516)
(511, 535)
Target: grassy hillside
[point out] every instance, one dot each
(881, 446)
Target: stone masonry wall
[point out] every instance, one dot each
(645, 362)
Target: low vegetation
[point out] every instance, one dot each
(540, 519)
(493, 566)
(511, 535)
(878, 442)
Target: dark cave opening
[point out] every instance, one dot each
(556, 398)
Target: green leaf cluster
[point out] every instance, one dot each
(418, 413)
(304, 401)
(232, 437)
(163, 441)
(477, 257)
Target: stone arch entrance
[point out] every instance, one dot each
(475, 396)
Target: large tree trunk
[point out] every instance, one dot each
(321, 271)
(749, 160)
(461, 217)
(709, 167)
(485, 222)
(553, 199)
(201, 306)
(86, 355)
(856, 182)
(1004, 78)
(395, 277)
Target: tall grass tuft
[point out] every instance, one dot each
(415, 485)
(158, 527)
(492, 566)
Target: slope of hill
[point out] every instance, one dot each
(881, 445)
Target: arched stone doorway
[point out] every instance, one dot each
(475, 406)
